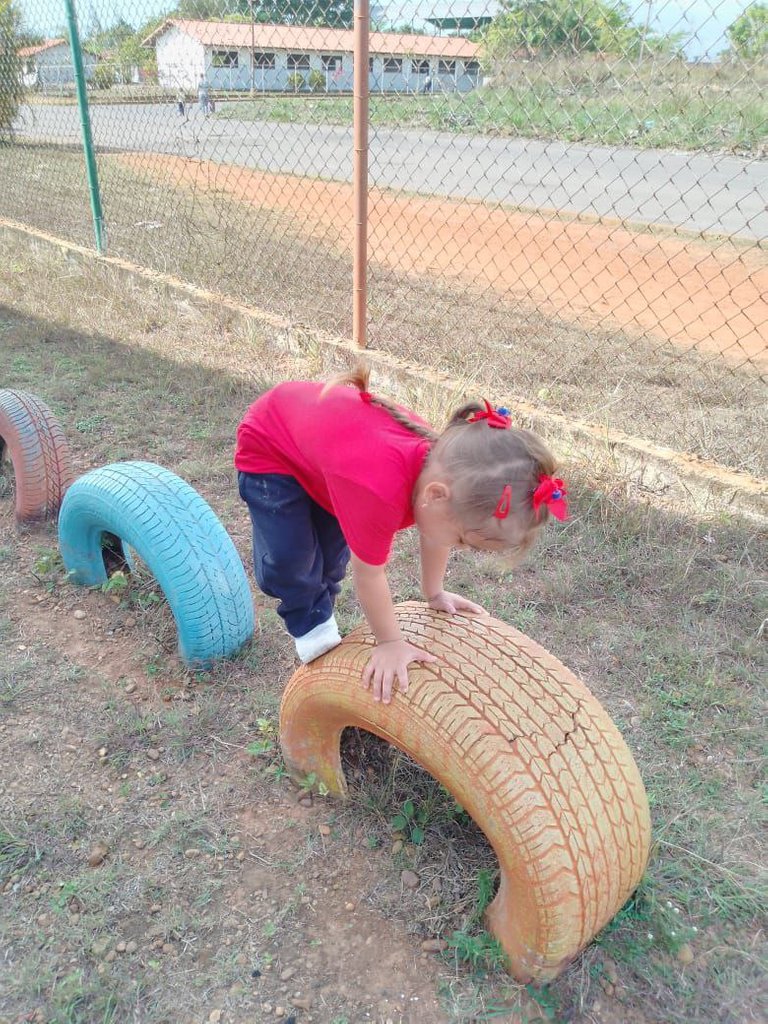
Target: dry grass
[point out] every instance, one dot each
(646, 388)
(661, 616)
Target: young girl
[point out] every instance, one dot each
(326, 469)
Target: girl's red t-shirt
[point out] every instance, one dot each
(351, 457)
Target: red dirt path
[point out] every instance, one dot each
(690, 292)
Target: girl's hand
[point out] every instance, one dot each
(389, 662)
(447, 602)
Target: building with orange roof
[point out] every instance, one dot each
(49, 65)
(237, 56)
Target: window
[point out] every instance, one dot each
(298, 62)
(370, 65)
(420, 67)
(330, 62)
(446, 67)
(224, 59)
(264, 60)
(472, 67)
(393, 65)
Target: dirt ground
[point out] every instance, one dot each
(157, 866)
(699, 296)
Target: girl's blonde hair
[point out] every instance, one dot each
(479, 461)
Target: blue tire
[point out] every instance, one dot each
(177, 534)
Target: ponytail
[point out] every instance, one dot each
(359, 377)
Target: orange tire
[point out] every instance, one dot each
(525, 749)
(33, 439)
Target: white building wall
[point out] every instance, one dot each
(180, 60)
(54, 67)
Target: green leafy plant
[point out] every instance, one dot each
(310, 783)
(411, 820)
(117, 584)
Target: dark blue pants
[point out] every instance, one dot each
(299, 552)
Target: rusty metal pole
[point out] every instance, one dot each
(360, 176)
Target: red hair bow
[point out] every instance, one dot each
(551, 492)
(499, 418)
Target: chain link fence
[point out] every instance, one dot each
(568, 199)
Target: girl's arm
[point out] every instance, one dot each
(434, 559)
(393, 653)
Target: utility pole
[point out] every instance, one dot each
(253, 46)
(645, 29)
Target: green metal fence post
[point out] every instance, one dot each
(85, 122)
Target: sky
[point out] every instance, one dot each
(703, 22)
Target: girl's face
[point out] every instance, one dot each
(438, 525)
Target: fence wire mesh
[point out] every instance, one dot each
(568, 198)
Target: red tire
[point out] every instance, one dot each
(31, 436)
(526, 750)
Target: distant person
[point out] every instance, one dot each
(203, 96)
(180, 102)
(428, 83)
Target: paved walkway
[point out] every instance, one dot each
(697, 192)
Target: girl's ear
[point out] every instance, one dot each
(436, 490)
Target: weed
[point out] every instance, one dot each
(479, 951)
(16, 853)
(412, 821)
(48, 568)
(310, 783)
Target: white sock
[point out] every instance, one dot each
(318, 640)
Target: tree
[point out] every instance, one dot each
(326, 13)
(569, 26)
(11, 89)
(749, 34)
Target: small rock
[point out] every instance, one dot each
(120, 947)
(139, 844)
(349, 906)
(279, 1011)
(155, 908)
(324, 830)
(100, 946)
(111, 956)
(130, 622)
(434, 945)
(79, 613)
(153, 754)
(214, 1017)
(192, 853)
(397, 846)
(302, 1002)
(168, 947)
(131, 947)
(130, 688)
(410, 879)
(685, 954)
(98, 854)
(287, 973)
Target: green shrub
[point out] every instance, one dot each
(317, 81)
(295, 81)
(103, 76)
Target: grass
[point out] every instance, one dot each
(609, 101)
(660, 614)
(626, 382)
